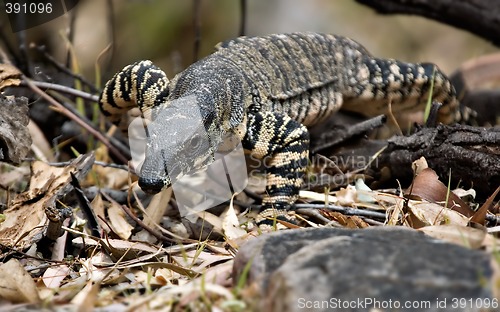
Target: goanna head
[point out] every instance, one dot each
(179, 141)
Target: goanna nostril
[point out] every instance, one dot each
(151, 186)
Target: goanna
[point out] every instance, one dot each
(266, 91)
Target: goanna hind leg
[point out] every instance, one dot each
(405, 85)
(283, 145)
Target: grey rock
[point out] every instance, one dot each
(359, 270)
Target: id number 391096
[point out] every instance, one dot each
(26, 8)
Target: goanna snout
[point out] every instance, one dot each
(151, 185)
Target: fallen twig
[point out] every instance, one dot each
(345, 210)
(61, 88)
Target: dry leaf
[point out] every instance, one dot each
(118, 221)
(214, 220)
(425, 214)
(364, 193)
(480, 71)
(98, 207)
(347, 196)
(198, 260)
(460, 192)
(86, 299)
(54, 275)
(26, 219)
(40, 146)
(16, 285)
(230, 223)
(13, 177)
(426, 185)
(386, 198)
(157, 207)
(9, 76)
(480, 215)
(109, 177)
(461, 235)
(419, 165)
(220, 274)
(352, 222)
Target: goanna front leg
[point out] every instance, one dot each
(283, 145)
(141, 84)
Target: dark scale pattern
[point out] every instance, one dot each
(268, 89)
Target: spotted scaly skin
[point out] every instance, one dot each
(267, 90)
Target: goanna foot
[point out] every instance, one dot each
(277, 219)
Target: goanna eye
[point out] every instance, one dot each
(195, 142)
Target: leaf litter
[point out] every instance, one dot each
(128, 267)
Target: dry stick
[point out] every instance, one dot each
(132, 216)
(65, 70)
(85, 206)
(62, 89)
(66, 163)
(158, 226)
(366, 213)
(345, 210)
(123, 149)
(33, 86)
(479, 17)
(156, 234)
(75, 118)
(352, 131)
(243, 17)
(197, 28)
(71, 35)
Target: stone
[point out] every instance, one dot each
(358, 270)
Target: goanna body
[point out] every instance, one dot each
(267, 90)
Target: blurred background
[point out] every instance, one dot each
(164, 31)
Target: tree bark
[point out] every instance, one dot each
(471, 153)
(480, 17)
